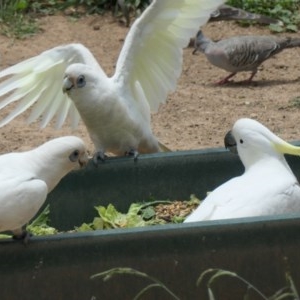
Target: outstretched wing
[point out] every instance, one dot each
(151, 59)
(39, 80)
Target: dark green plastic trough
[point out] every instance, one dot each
(59, 267)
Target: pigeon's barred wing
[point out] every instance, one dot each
(38, 81)
(151, 59)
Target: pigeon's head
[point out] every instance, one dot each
(254, 142)
(201, 42)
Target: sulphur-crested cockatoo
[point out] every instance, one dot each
(267, 187)
(27, 177)
(115, 110)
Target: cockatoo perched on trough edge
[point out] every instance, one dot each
(27, 177)
(115, 110)
(267, 187)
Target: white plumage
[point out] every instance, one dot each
(267, 187)
(27, 177)
(116, 110)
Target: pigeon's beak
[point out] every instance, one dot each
(230, 142)
(68, 84)
(83, 160)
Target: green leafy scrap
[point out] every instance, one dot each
(5, 236)
(141, 214)
(97, 224)
(39, 226)
(114, 219)
(109, 218)
(138, 215)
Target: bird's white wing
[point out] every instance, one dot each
(39, 80)
(151, 59)
(240, 198)
(20, 199)
(218, 200)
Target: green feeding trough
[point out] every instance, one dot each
(261, 250)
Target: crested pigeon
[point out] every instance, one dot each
(242, 53)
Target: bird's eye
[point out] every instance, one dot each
(241, 141)
(80, 81)
(74, 156)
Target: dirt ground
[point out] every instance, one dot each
(197, 115)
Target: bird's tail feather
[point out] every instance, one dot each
(163, 148)
(264, 19)
(226, 12)
(294, 42)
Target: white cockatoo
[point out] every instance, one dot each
(27, 177)
(268, 185)
(115, 110)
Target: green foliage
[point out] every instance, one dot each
(137, 4)
(13, 20)
(39, 226)
(155, 283)
(138, 215)
(210, 277)
(288, 11)
(17, 17)
(295, 102)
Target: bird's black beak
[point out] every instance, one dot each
(230, 143)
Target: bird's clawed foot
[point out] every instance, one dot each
(226, 79)
(24, 237)
(249, 80)
(223, 81)
(195, 51)
(99, 157)
(132, 153)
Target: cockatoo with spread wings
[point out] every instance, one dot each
(268, 185)
(115, 110)
(27, 177)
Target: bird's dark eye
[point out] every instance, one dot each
(74, 156)
(241, 141)
(80, 81)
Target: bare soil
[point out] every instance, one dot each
(197, 115)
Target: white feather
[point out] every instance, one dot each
(39, 80)
(156, 41)
(116, 110)
(27, 177)
(267, 187)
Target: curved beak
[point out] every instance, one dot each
(230, 142)
(83, 160)
(67, 84)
